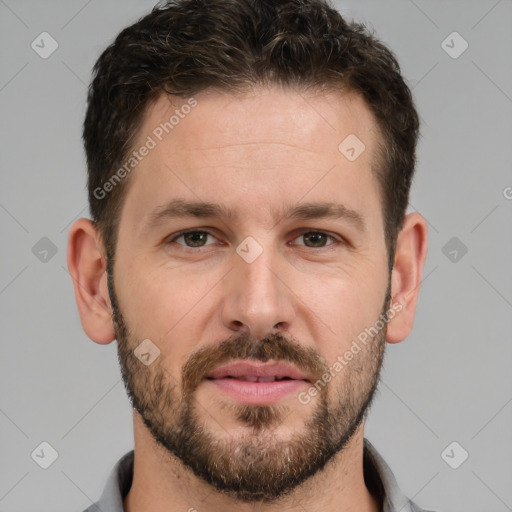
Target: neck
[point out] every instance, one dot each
(161, 483)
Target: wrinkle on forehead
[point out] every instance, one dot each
(264, 115)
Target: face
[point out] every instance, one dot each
(260, 273)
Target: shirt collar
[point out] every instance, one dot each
(379, 476)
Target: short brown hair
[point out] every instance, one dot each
(183, 47)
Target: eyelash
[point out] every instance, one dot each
(301, 233)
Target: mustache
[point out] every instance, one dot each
(244, 346)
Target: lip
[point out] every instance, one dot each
(232, 380)
(257, 393)
(254, 369)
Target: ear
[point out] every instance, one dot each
(87, 266)
(410, 255)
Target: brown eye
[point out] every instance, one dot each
(193, 238)
(315, 239)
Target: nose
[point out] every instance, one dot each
(257, 298)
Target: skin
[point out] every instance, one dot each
(266, 149)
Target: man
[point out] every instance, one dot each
(249, 170)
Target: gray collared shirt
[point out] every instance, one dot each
(378, 478)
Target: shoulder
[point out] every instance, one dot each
(117, 486)
(381, 481)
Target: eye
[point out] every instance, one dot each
(192, 238)
(198, 239)
(315, 239)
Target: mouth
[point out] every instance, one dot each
(254, 371)
(256, 383)
(252, 378)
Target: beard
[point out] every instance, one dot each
(256, 466)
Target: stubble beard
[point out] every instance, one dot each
(257, 466)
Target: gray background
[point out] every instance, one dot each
(450, 381)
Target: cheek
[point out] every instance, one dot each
(168, 306)
(154, 302)
(344, 308)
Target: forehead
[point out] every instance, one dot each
(304, 120)
(265, 140)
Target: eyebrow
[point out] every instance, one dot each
(180, 208)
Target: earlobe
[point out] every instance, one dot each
(87, 266)
(410, 255)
